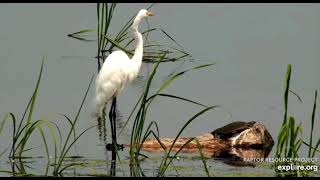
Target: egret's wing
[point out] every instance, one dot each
(113, 75)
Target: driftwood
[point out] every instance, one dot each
(207, 141)
(254, 142)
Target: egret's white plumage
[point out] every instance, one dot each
(118, 70)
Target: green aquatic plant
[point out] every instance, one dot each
(22, 132)
(313, 149)
(26, 128)
(58, 169)
(289, 137)
(139, 135)
(288, 143)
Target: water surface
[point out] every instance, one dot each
(251, 43)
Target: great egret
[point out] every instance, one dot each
(118, 70)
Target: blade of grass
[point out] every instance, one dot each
(312, 121)
(165, 165)
(35, 94)
(287, 85)
(72, 143)
(175, 97)
(297, 95)
(71, 165)
(132, 39)
(4, 151)
(47, 149)
(202, 158)
(140, 117)
(170, 80)
(171, 38)
(180, 132)
(316, 148)
(63, 152)
(117, 45)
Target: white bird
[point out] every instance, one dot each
(118, 70)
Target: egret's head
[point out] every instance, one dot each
(144, 13)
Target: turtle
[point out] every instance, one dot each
(232, 129)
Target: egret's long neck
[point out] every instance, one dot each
(138, 53)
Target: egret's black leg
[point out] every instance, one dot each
(111, 121)
(112, 117)
(114, 120)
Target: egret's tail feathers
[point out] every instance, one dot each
(99, 110)
(100, 104)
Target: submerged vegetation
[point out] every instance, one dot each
(57, 147)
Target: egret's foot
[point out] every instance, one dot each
(111, 147)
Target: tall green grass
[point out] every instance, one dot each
(139, 134)
(289, 137)
(21, 136)
(26, 128)
(58, 168)
(313, 149)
